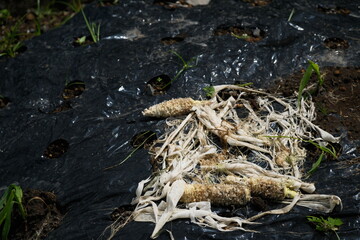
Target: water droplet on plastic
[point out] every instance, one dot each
(75, 120)
(357, 196)
(109, 101)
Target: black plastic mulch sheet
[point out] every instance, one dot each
(104, 118)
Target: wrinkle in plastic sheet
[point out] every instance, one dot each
(108, 114)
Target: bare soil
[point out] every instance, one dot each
(338, 101)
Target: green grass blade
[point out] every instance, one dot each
(244, 36)
(18, 192)
(4, 198)
(18, 200)
(98, 33)
(8, 206)
(291, 14)
(90, 26)
(7, 224)
(315, 166)
(304, 81)
(178, 55)
(316, 68)
(2, 216)
(337, 236)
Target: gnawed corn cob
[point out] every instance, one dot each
(269, 188)
(171, 108)
(265, 187)
(217, 194)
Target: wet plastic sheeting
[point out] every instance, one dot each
(102, 121)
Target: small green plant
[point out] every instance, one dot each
(209, 91)
(331, 151)
(159, 79)
(93, 28)
(326, 225)
(4, 14)
(42, 11)
(10, 44)
(13, 195)
(312, 67)
(81, 40)
(37, 27)
(186, 65)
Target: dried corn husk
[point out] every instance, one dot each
(172, 108)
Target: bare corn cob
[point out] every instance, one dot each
(217, 194)
(171, 108)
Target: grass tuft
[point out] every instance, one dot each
(13, 195)
(93, 28)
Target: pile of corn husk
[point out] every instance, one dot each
(210, 155)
